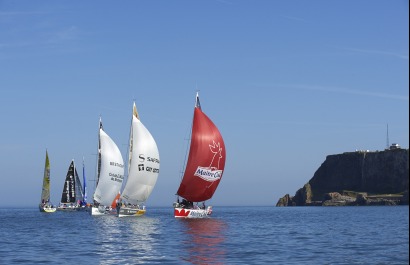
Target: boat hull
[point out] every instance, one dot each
(83, 208)
(130, 211)
(192, 213)
(47, 209)
(101, 211)
(70, 208)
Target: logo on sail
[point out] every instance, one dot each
(142, 167)
(211, 173)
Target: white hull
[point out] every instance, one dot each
(47, 209)
(101, 210)
(192, 213)
(71, 208)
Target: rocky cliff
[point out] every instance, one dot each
(357, 178)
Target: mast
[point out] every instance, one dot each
(98, 164)
(75, 182)
(84, 185)
(197, 103)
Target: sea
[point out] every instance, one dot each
(233, 235)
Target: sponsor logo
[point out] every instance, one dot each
(116, 177)
(143, 167)
(148, 159)
(152, 159)
(115, 164)
(69, 188)
(197, 214)
(128, 211)
(208, 174)
(212, 172)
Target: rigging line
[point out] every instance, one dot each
(126, 165)
(182, 169)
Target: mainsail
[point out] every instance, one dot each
(84, 199)
(79, 193)
(45, 193)
(206, 159)
(110, 169)
(143, 163)
(72, 191)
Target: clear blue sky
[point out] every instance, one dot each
(287, 83)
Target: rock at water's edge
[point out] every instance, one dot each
(357, 178)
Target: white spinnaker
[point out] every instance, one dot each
(143, 164)
(111, 173)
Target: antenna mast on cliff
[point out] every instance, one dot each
(387, 138)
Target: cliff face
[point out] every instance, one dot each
(384, 172)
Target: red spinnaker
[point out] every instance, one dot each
(206, 160)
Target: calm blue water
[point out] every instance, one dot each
(234, 235)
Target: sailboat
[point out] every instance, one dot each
(110, 173)
(72, 193)
(204, 167)
(143, 169)
(45, 205)
(84, 205)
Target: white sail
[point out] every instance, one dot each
(143, 167)
(111, 173)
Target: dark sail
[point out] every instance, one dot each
(68, 195)
(78, 188)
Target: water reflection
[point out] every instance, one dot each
(108, 234)
(204, 242)
(127, 240)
